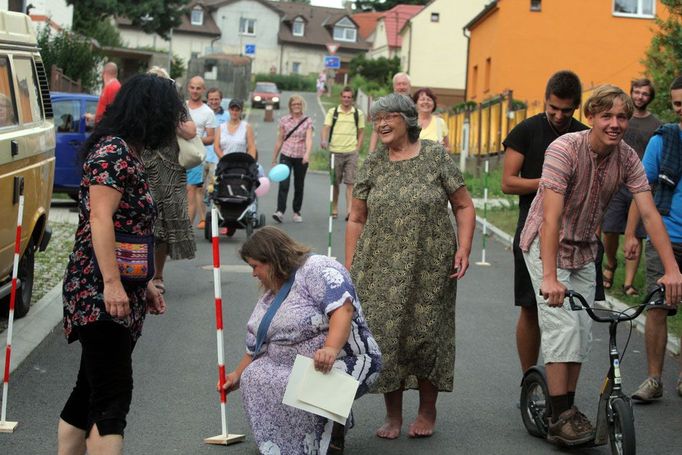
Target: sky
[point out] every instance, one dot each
(329, 3)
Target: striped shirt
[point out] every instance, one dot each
(571, 169)
(294, 147)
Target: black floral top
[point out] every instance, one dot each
(109, 163)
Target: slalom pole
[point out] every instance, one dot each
(5, 426)
(483, 262)
(331, 204)
(224, 438)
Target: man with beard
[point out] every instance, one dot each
(642, 126)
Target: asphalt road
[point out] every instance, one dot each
(175, 404)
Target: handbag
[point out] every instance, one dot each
(192, 152)
(134, 258)
(270, 314)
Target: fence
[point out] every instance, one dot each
(61, 83)
(489, 123)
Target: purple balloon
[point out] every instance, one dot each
(264, 186)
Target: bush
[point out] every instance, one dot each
(290, 82)
(379, 70)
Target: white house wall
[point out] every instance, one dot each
(380, 45)
(311, 61)
(183, 44)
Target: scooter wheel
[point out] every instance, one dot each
(622, 428)
(535, 405)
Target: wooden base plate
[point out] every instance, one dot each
(225, 440)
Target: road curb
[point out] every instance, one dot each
(32, 329)
(611, 303)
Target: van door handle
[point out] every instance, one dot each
(14, 148)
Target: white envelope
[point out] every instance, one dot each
(328, 395)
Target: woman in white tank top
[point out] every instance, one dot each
(235, 135)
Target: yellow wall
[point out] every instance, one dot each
(525, 48)
(435, 54)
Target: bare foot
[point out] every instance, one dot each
(390, 429)
(422, 427)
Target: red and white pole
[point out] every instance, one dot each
(5, 426)
(224, 438)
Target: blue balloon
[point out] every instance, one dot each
(279, 173)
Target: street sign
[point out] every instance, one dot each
(332, 62)
(250, 49)
(332, 48)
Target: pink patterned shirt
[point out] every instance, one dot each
(294, 147)
(571, 169)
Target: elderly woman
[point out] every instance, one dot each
(294, 141)
(319, 317)
(433, 126)
(405, 259)
(107, 289)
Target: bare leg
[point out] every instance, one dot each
(528, 337)
(426, 415)
(349, 198)
(631, 267)
(335, 199)
(557, 378)
(394, 415)
(70, 440)
(111, 444)
(201, 208)
(191, 203)
(655, 338)
(573, 375)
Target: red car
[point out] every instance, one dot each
(265, 93)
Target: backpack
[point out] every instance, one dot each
(335, 117)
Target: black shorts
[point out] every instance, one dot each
(616, 216)
(523, 287)
(104, 387)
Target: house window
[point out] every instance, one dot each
(247, 26)
(488, 68)
(298, 27)
(197, 16)
(345, 30)
(474, 81)
(435, 17)
(634, 8)
(536, 5)
(296, 68)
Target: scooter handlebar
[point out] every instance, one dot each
(620, 316)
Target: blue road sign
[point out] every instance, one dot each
(250, 49)
(332, 62)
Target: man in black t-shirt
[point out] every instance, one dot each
(524, 155)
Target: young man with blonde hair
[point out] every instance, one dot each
(580, 174)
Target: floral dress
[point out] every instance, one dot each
(402, 264)
(301, 326)
(112, 164)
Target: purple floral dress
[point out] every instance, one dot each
(109, 163)
(301, 326)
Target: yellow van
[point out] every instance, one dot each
(27, 146)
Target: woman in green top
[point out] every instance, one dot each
(405, 259)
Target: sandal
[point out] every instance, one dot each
(158, 284)
(608, 281)
(630, 290)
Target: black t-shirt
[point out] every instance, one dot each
(531, 138)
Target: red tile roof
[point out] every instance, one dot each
(367, 22)
(394, 20)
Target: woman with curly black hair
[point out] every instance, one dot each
(107, 290)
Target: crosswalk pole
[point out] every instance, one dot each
(331, 204)
(483, 261)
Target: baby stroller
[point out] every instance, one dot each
(234, 194)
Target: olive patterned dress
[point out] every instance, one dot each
(402, 264)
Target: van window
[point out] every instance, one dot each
(90, 108)
(67, 114)
(8, 111)
(29, 92)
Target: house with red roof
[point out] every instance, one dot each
(386, 40)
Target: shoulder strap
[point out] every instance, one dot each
(335, 117)
(270, 314)
(293, 130)
(356, 117)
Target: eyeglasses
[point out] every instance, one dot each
(388, 117)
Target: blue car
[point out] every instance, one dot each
(71, 129)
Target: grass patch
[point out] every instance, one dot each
(503, 218)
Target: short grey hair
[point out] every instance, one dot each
(403, 105)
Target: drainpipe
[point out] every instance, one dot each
(466, 70)
(281, 57)
(409, 47)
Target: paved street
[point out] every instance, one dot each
(175, 404)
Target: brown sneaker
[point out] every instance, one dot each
(571, 429)
(651, 389)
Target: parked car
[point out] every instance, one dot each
(27, 147)
(265, 93)
(71, 129)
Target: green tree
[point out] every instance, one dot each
(379, 70)
(152, 16)
(384, 5)
(71, 52)
(663, 59)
